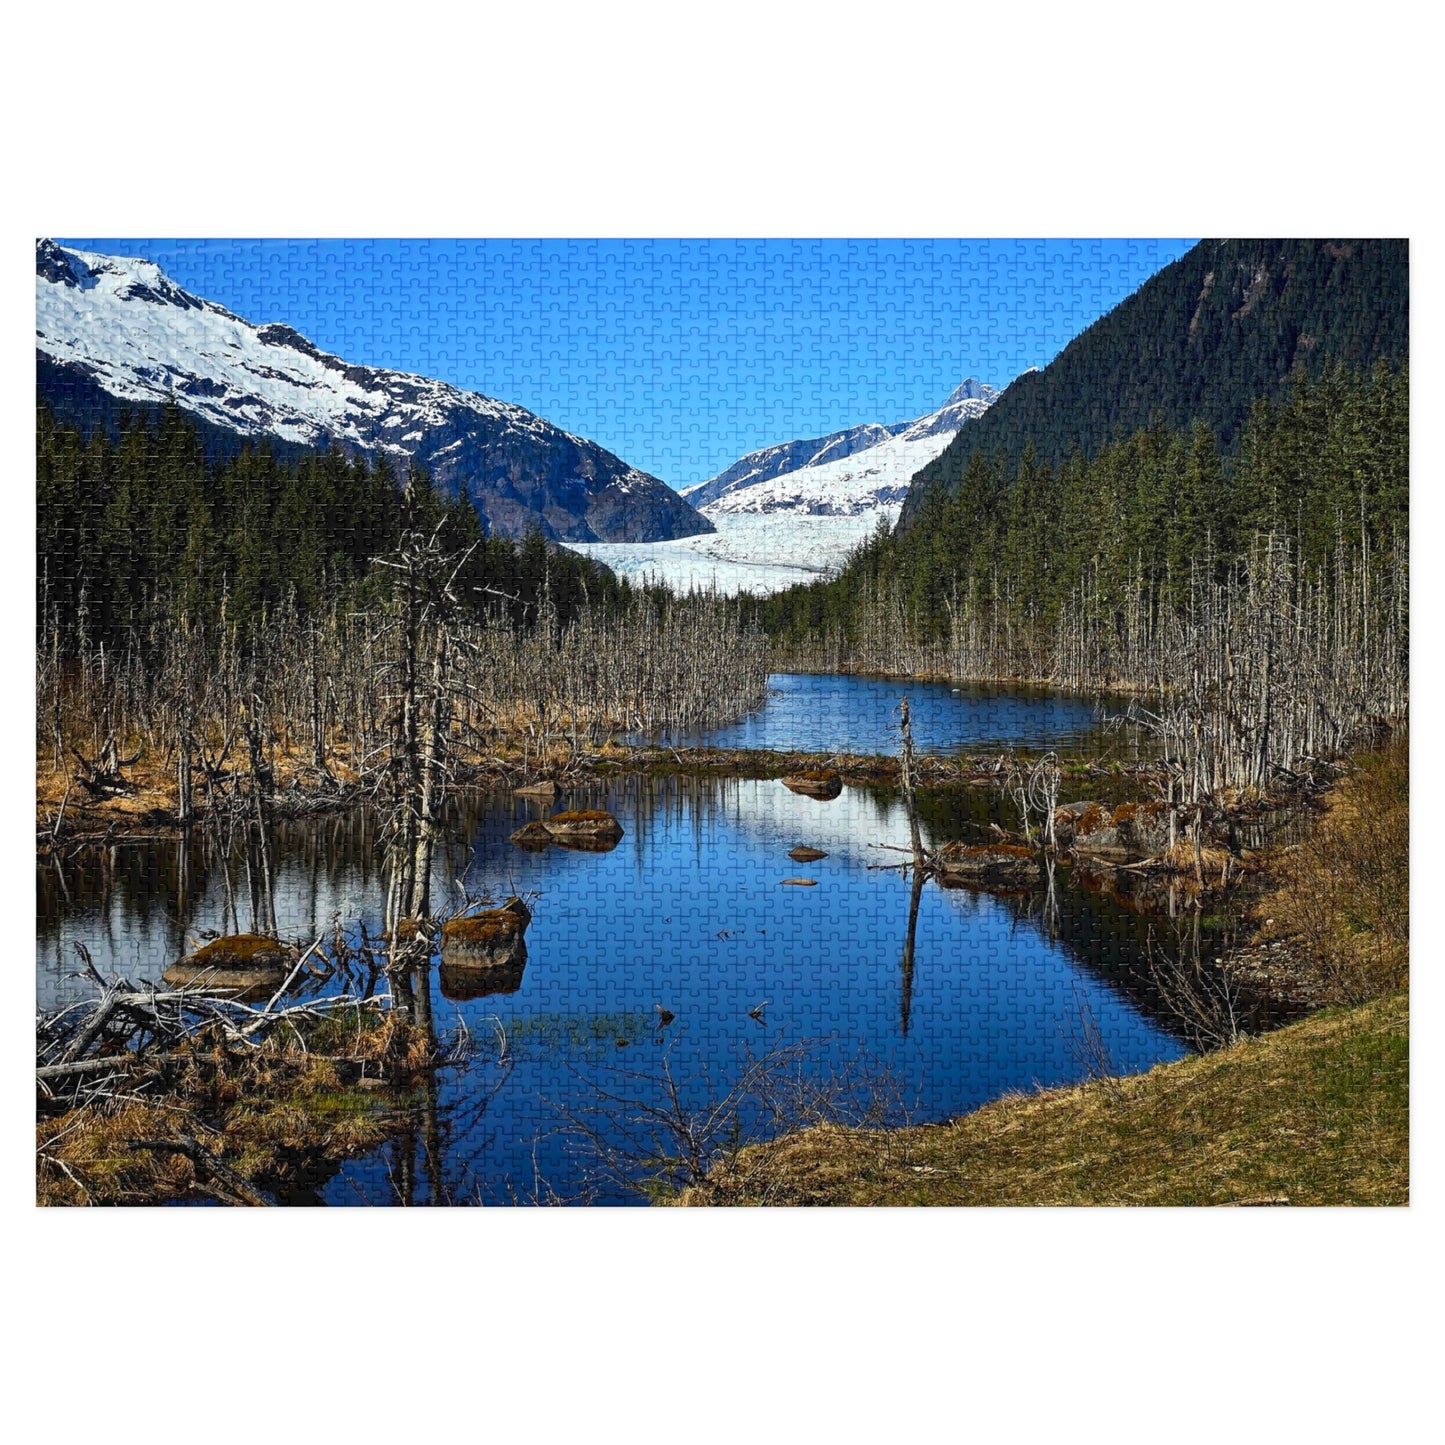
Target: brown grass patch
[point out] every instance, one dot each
(1343, 900)
(274, 1116)
(1317, 1113)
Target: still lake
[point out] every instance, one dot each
(834, 712)
(689, 912)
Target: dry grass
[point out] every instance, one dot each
(153, 797)
(274, 1116)
(1316, 1113)
(1343, 900)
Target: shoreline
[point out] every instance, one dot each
(148, 810)
(1314, 1113)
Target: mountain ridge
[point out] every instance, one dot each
(743, 487)
(794, 512)
(125, 327)
(1202, 339)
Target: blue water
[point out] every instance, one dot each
(689, 912)
(826, 712)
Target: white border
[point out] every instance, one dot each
(775, 119)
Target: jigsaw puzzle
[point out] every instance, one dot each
(722, 722)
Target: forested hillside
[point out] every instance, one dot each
(1230, 323)
(1145, 515)
(146, 527)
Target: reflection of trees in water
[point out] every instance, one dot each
(1166, 968)
(330, 863)
(157, 889)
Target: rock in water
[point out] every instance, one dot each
(492, 939)
(241, 951)
(533, 836)
(583, 824)
(248, 966)
(990, 865)
(800, 882)
(803, 854)
(546, 789)
(821, 783)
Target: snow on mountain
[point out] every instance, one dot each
(125, 326)
(792, 513)
(770, 462)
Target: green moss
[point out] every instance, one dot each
(239, 950)
(490, 927)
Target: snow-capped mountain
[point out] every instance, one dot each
(124, 326)
(791, 513)
(770, 462)
(864, 479)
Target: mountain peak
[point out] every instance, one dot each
(121, 327)
(971, 389)
(52, 263)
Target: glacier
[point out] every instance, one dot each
(792, 513)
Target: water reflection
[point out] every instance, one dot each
(824, 712)
(960, 995)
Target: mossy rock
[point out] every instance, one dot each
(583, 823)
(491, 939)
(986, 865)
(240, 951)
(821, 783)
(803, 854)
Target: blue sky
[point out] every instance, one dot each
(679, 356)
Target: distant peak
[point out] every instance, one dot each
(971, 389)
(53, 264)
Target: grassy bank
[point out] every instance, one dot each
(1316, 1113)
(213, 1121)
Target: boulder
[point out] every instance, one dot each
(803, 854)
(533, 836)
(546, 790)
(240, 952)
(583, 823)
(800, 882)
(491, 939)
(987, 865)
(248, 966)
(821, 783)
